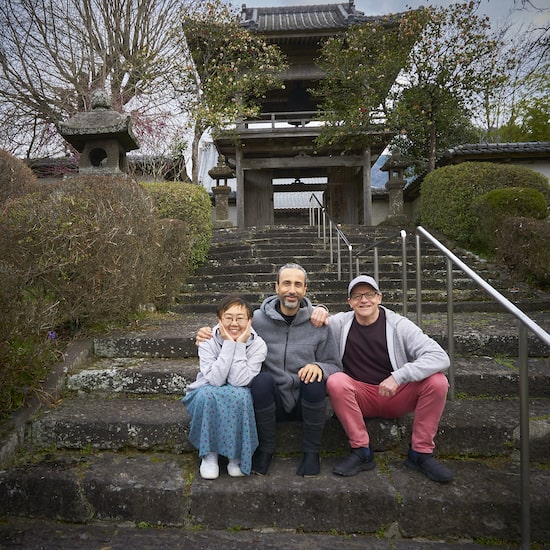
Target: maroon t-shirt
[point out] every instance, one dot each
(366, 355)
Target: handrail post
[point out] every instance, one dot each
(350, 249)
(330, 238)
(318, 210)
(525, 522)
(418, 283)
(405, 285)
(376, 278)
(339, 256)
(450, 329)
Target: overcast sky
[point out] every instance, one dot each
(537, 12)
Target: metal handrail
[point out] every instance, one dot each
(402, 234)
(525, 324)
(315, 212)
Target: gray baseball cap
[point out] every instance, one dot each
(362, 279)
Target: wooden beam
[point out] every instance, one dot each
(291, 188)
(301, 162)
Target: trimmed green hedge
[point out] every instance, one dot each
(448, 195)
(522, 245)
(497, 205)
(191, 204)
(81, 251)
(87, 248)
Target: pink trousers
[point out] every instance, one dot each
(353, 400)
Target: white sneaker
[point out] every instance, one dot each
(234, 468)
(209, 466)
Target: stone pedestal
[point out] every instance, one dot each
(221, 195)
(396, 166)
(221, 172)
(395, 195)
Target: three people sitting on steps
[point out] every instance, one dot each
(371, 361)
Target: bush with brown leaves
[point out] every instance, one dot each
(16, 178)
(87, 248)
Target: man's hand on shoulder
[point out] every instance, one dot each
(203, 334)
(319, 316)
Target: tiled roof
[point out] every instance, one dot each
(495, 152)
(301, 18)
(294, 201)
(484, 149)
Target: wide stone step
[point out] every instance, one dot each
(114, 424)
(338, 297)
(41, 533)
(478, 333)
(278, 257)
(133, 375)
(478, 427)
(474, 376)
(268, 265)
(267, 281)
(166, 490)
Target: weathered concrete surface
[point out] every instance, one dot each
(140, 423)
(117, 487)
(155, 489)
(480, 427)
(483, 334)
(13, 430)
(18, 533)
(134, 375)
(488, 376)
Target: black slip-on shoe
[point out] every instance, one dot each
(429, 466)
(357, 461)
(310, 466)
(261, 461)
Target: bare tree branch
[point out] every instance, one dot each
(54, 53)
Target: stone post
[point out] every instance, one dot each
(396, 165)
(221, 172)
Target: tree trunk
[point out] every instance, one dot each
(433, 148)
(197, 134)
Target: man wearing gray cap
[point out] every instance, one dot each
(391, 368)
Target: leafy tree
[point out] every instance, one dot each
(422, 69)
(431, 116)
(360, 66)
(449, 66)
(528, 118)
(54, 53)
(223, 70)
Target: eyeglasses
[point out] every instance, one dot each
(359, 295)
(230, 319)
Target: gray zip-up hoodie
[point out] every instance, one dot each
(413, 354)
(290, 347)
(229, 362)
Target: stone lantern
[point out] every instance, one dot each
(102, 136)
(396, 165)
(221, 172)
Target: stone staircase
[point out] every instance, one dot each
(114, 450)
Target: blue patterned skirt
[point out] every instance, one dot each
(222, 421)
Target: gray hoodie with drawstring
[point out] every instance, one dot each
(292, 346)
